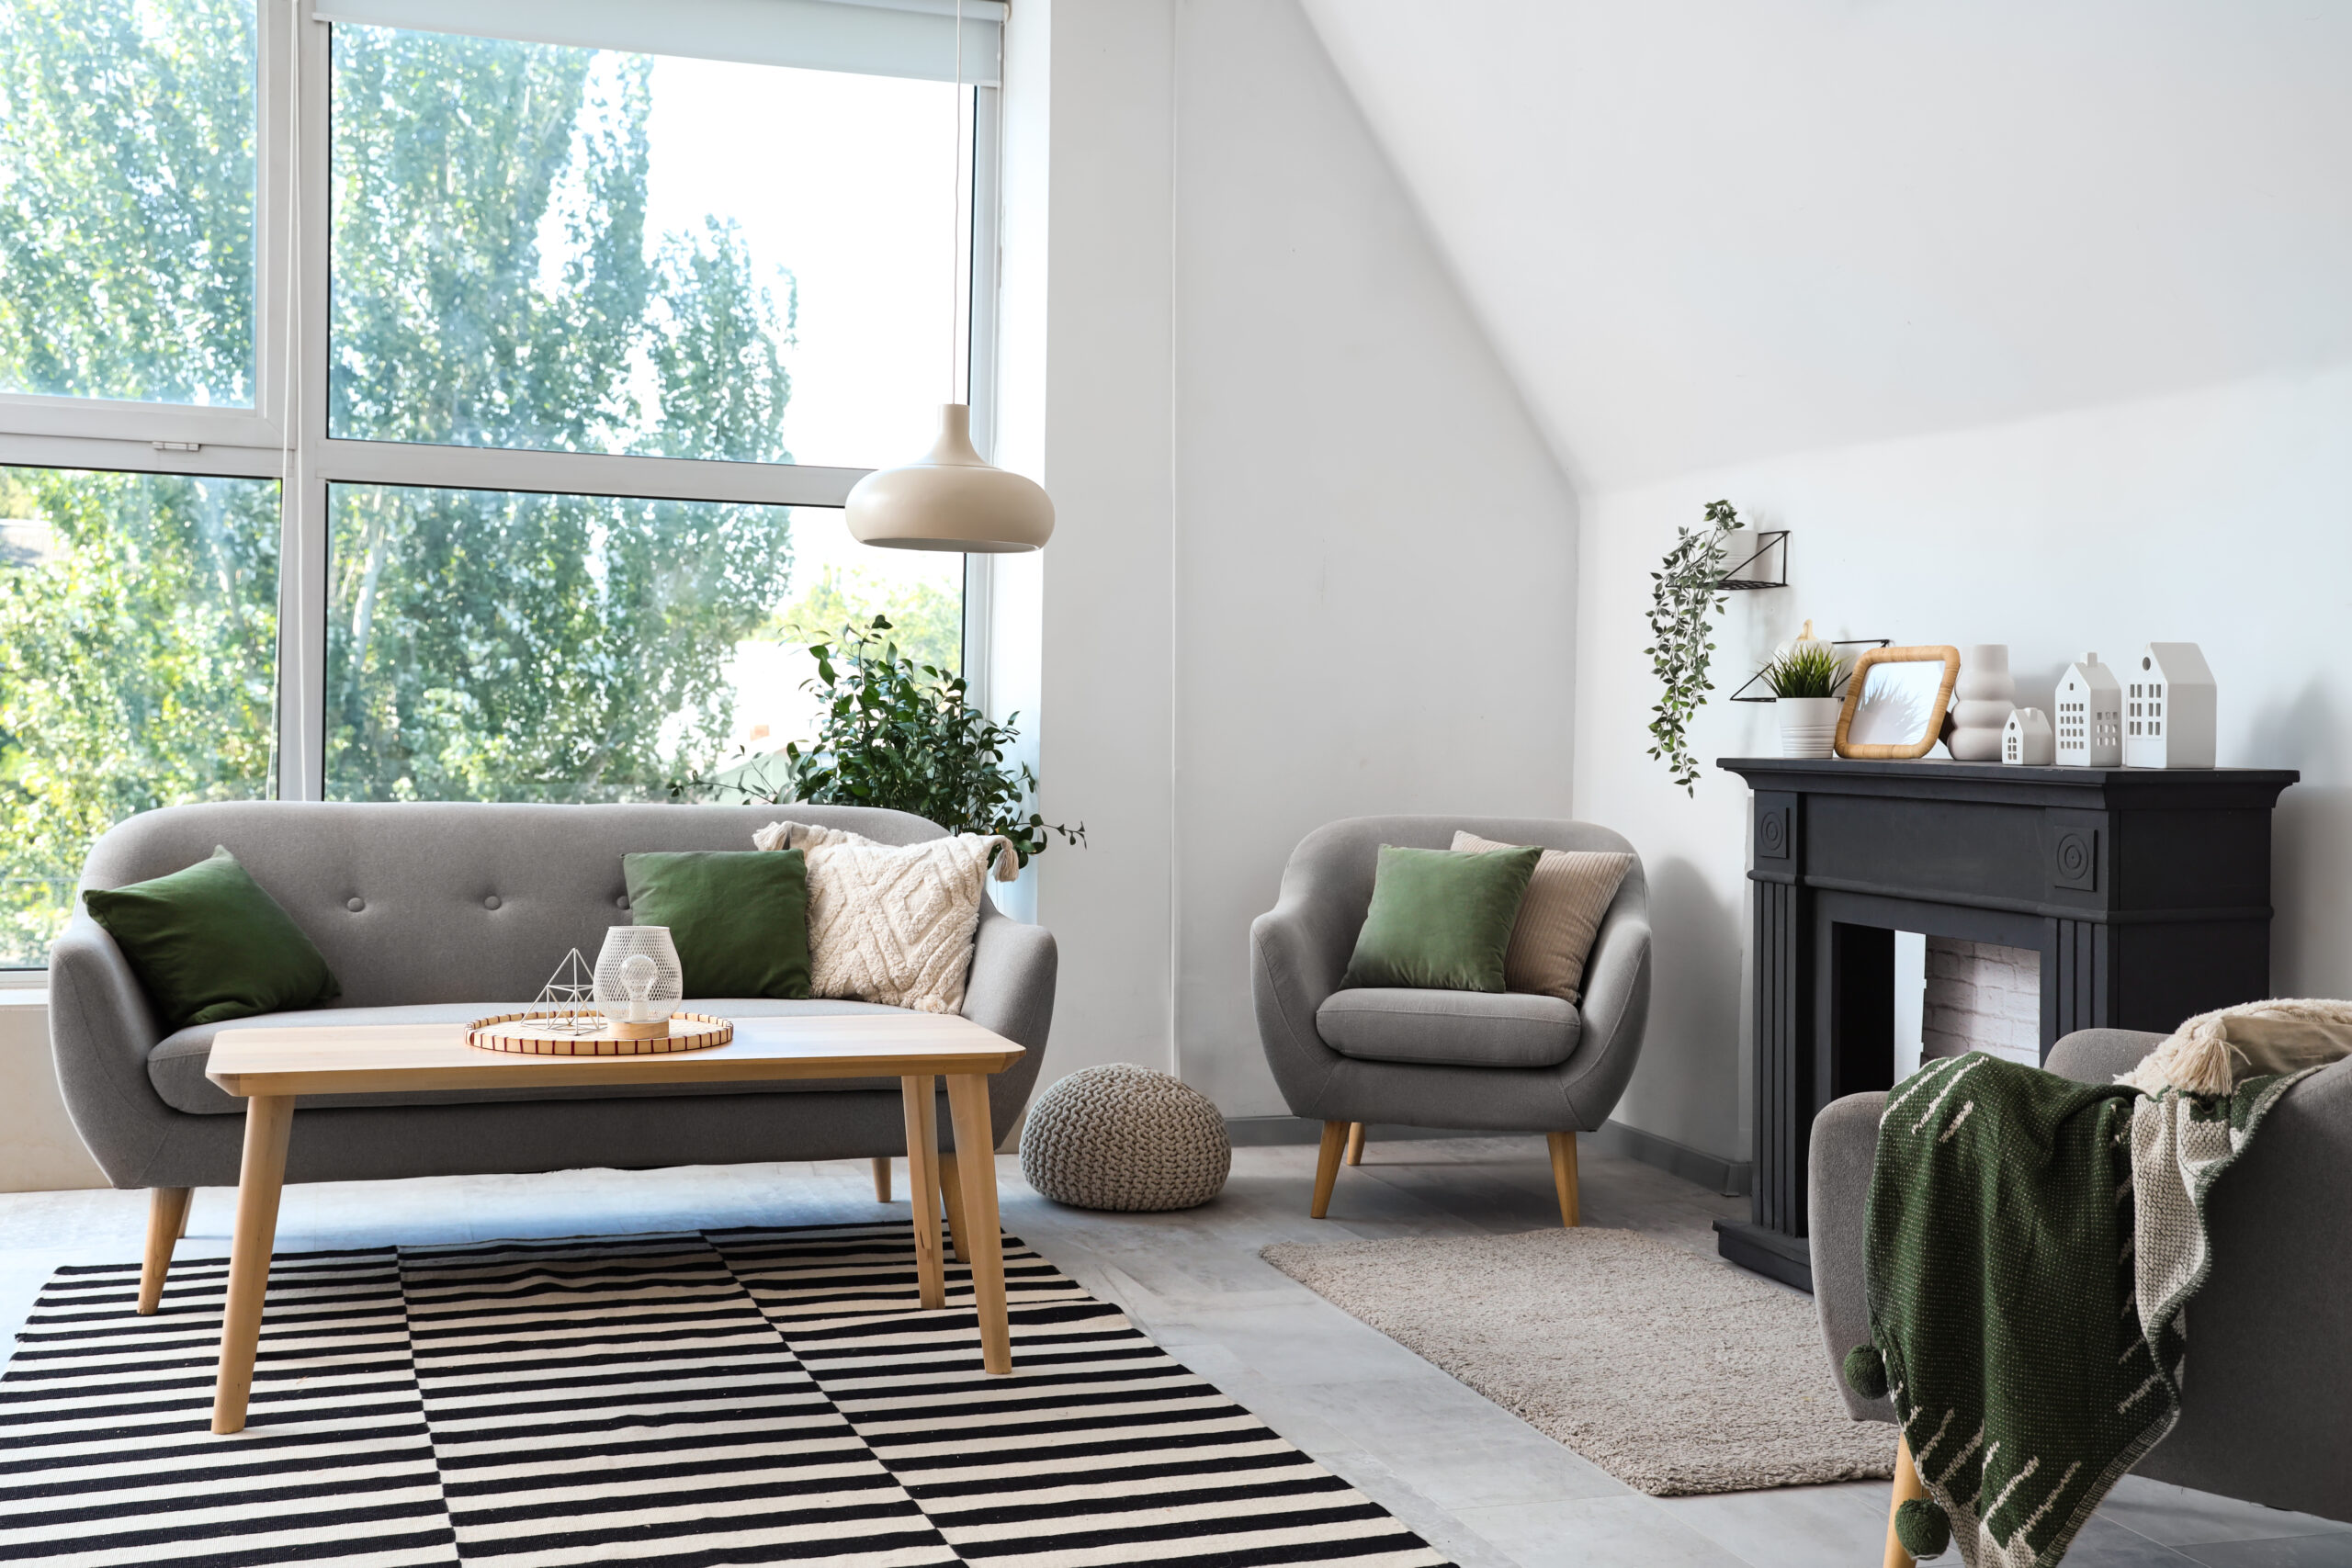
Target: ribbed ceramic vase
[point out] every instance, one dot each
(1987, 697)
(1808, 725)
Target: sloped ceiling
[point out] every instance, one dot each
(1707, 230)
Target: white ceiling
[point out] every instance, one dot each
(1707, 230)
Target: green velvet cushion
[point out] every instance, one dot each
(1441, 920)
(210, 945)
(738, 918)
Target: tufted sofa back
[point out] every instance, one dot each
(450, 902)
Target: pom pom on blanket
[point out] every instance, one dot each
(1866, 1372)
(1923, 1527)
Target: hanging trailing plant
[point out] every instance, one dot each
(1685, 596)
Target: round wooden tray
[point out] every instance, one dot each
(515, 1032)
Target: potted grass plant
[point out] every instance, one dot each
(1805, 677)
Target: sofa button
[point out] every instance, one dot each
(491, 902)
(355, 905)
(622, 900)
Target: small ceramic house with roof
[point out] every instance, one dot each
(2168, 708)
(2026, 739)
(2090, 716)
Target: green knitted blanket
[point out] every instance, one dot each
(2031, 1243)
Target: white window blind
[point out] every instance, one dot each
(871, 38)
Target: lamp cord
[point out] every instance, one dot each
(955, 189)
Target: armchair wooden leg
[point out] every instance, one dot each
(1327, 1164)
(166, 1221)
(1907, 1486)
(1564, 1175)
(881, 1179)
(1355, 1142)
(951, 1189)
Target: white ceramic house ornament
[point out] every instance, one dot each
(2026, 739)
(2169, 708)
(2090, 716)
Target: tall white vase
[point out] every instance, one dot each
(1987, 695)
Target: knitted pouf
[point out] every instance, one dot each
(1125, 1137)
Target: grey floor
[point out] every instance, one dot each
(1477, 1483)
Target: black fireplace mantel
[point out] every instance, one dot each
(2145, 891)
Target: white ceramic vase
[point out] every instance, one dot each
(1808, 725)
(638, 980)
(1987, 694)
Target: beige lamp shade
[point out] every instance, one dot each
(949, 499)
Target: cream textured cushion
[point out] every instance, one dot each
(1566, 898)
(1125, 1137)
(809, 836)
(889, 923)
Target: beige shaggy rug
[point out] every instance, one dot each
(1675, 1374)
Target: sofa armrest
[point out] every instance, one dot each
(1293, 972)
(101, 1028)
(1615, 1010)
(1011, 991)
(2098, 1055)
(1838, 1192)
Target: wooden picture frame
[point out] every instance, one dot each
(1915, 700)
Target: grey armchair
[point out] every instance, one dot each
(2266, 1404)
(1508, 1062)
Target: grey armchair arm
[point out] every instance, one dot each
(2267, 1406)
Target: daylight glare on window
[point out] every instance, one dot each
(543, 246)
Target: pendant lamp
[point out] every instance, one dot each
(951, 498)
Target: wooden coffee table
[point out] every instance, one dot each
(269, 1066)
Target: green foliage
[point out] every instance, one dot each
(494, 283)
(137, 669)
(899, 735)
(126, 199)
(926, 620)
(1686, 595)
(1808, 669)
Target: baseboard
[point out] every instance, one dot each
(1728, 1176)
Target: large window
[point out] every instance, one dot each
(453, 398)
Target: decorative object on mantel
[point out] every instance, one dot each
(1687, 591)
(951, 498)
(2027, 741)
(1986, 695)
(637, 978)
(1896, 702)
(2090, 716)
(1804, 676)
(2170, 712)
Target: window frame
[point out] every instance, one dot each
(284, 435)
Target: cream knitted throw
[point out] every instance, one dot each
(890, 923)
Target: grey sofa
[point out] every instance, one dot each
(428, 912)
(1508, 1062)
(2266, 1403)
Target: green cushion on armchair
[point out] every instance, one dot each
(738, 918)
(1440, 921)
(210, 944)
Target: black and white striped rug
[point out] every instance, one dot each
(691, 1399)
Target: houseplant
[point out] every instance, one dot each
(1686, 593)
(900, 735)
(1805, 677)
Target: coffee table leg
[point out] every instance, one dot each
(269, 1119)
(968, 1102)
(920, 1096)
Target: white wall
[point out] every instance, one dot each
(1374, 564)
(1312, 557)
(2221, 517)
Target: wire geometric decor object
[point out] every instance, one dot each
(567, 1003)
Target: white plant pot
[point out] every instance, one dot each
(1808, 725)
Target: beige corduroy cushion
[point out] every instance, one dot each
(1123, 1137)
(1559, 917)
